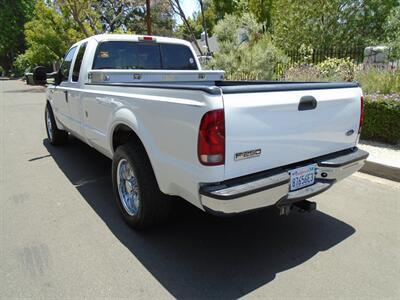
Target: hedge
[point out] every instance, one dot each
(382, 118)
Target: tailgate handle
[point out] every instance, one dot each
(307, 103)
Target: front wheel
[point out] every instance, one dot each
(55, 135)
(136, 191)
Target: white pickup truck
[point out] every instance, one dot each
(173, 129)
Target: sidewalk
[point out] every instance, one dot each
(383, 160)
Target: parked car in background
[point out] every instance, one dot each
(28, 75)
(36, 75)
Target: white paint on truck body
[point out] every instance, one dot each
(272, 122)
(167, 120)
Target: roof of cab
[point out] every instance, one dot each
(133, 38)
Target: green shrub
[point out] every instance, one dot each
(382, 118)
(372, 80)
(303, 73)
(378, 81)
(21, 64)
(392, 32)
(331, 69)
(337, 69)
(244, 52)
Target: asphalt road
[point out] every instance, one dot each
(62, 237)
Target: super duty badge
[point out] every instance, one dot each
(247, 154)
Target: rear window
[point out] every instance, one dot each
(177, 57)
(137, 55)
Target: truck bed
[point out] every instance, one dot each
(254, 86)
(232, 87)
(268, 117)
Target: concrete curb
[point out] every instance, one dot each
(381, 170)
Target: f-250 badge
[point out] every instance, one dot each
(247, 154)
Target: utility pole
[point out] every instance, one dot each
(148, 17)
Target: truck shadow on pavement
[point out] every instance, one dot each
(196, 255)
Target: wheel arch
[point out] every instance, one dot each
(58, 123)
(123, 133)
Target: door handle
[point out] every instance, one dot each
(307, 103)
(66, 96)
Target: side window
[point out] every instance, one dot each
(65, 66)
(78, 62)
(177, 57)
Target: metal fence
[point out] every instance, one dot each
(356, 54)
(317, 56)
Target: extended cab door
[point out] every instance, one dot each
(61, 91)
(98, 105)
(75, 93)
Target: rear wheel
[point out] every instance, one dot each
(136, 191)
(55, 135)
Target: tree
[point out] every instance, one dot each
(117, 15)
(262, 9)
(196, 22)
(245, 52)
(329, 24)
(130, 16)
(83, 14)
(223, 7)
(392, 29)
(13, 15)
(57, 24)
(48, 35)
(177, 8)
(162, 18)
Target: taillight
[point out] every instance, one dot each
(211, 141)
(361, 115)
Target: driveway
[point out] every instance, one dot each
(62, 237)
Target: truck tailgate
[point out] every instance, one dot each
(286, 131)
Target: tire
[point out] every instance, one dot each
(55, 135)
(146, 204)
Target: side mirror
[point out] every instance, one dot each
(39, 75)
(57, 77)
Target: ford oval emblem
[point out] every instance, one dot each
(350, 132)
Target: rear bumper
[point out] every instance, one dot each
(272, 187)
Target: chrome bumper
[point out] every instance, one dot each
(272, 187)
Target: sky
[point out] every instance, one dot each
(188, 6)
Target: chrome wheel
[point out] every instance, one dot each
(128, 187)
(49, 125)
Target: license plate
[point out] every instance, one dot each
(302, 177)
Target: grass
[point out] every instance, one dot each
(375, 81)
